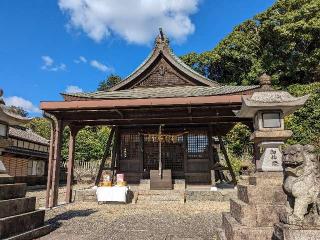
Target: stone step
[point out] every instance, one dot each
(32, 234)
(6, 179)
(17, 206)
(10, 191)
(260, 215)
(159, 198)
(220, 234)
(270, 194)
(160, 192)
(10, 226)
(217, 196)
(236, 231)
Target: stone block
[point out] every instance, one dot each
(10, 191)
(10, 226)
(236, 231)
(266, 178)
(16, 206)
(86, 195)
(261, 215)
(269, 194)
(293, 232)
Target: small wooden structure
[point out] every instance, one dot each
(162, 91)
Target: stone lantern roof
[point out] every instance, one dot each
(266, 98)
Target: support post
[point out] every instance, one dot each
(114, 152)
(224, 151)
(56, 164)
(72, 140)
(141, 154)
(50, 163)
(160, 160)
(105, 155)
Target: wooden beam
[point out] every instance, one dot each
(105, 155)
(224, 151)
(72, 140)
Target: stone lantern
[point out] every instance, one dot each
(7, 118)
(268, 107)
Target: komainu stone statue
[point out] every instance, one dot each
(302, 184)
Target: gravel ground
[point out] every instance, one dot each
(134, 221)
(173, 221)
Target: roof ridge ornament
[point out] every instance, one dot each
(161, 41)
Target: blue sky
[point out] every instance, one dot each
(52, 46)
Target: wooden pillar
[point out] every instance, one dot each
(185, 154)
(56, 164)
(141, 155)
(72, 140)
(49, 176)
(210, 150)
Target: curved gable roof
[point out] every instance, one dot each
(162, 49)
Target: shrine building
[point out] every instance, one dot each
(162, 97)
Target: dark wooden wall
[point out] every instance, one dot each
(189, 157)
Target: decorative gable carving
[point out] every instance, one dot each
(163, 75)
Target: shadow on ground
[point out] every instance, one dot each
(56, 221)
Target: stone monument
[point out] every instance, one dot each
(301, 219)
(260, 200)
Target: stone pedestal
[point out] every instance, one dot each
(255, 210)
(271, 159)
(293, 232)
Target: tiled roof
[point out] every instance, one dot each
(27, 134)
(164, 92)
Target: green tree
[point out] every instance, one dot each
(40, 126)
(238, 140)
(283, 41)
(305, 123)
(108, 83)
(90, 143)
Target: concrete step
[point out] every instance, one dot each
(255, 215)
(10, 226)
(10, 191)
(32, 234)
(236, 231)
(270, 194)
(17, 206)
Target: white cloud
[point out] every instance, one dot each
(48, 64)
(73, 89)
(23, 103)
(135, 21)
(81, 59)
(100, 66)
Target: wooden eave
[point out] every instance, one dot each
(192, 110)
